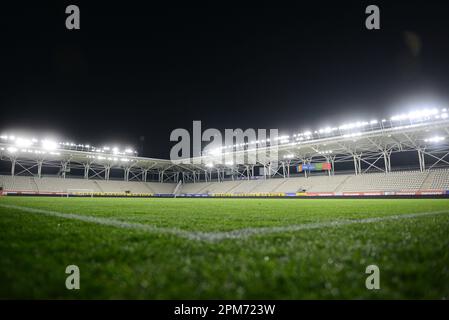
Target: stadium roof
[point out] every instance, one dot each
(426, 132)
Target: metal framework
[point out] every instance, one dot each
(370, 150)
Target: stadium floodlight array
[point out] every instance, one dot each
(434, 139)
(50, 146)
(347, 130)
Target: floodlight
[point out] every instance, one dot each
(230, 163)
(434, 139)
(23, 143)
(49, 144)
(209, 165)
(129, 150)
(12, 149)
(215, 152)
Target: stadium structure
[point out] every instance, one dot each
(405, 155)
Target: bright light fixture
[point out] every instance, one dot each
(23, 143)
(434, 139)
(49, 144)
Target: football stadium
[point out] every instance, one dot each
(224, 160)
(302, 226)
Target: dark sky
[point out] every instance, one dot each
(143, 70)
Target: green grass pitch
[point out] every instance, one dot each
(155, 255)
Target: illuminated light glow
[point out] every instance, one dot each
(12, 138)
(416, 115)
(444, 116)
(49, 144)
(12, 149)
(434, 139)
(128, 150)
(23, 143)
(229, 163)
(215, 152)
(4, 137)
(373, 121)
(209, 165)
(106, 148)
(351, 135)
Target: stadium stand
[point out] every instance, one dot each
(55, 184)
(437, 179)
(18, 183)
(394, 181)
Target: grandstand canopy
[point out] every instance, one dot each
(367, 145)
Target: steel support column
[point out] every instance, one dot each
(86, 170)
(39, 168)
(357, 164)
(13, 167)
(387, 161)
(107, 171)
(422, 163)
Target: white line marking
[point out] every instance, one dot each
(219, 235)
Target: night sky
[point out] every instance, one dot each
(143, 70)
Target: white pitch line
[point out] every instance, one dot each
(219, 235)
